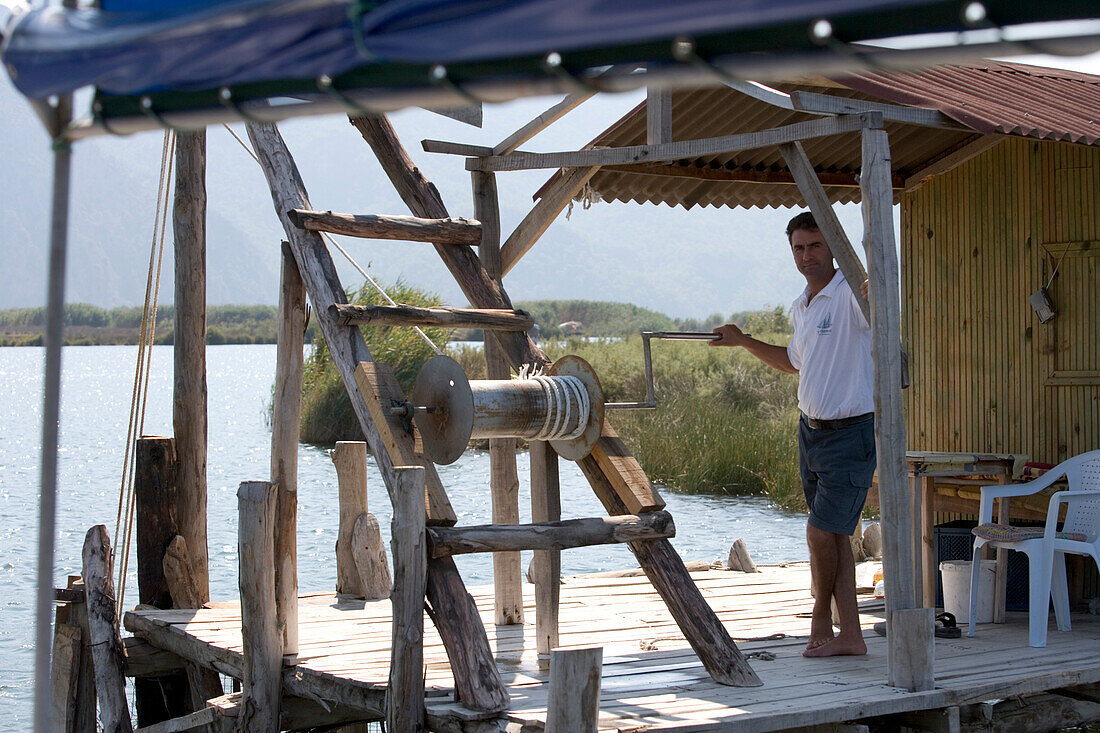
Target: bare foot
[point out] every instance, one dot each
(839, 646)
(816, 641)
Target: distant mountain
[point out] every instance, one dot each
(683, 263)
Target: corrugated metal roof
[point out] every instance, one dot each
(991, 97)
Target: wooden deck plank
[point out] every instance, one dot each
(650, 675)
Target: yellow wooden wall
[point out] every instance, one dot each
(975, 243)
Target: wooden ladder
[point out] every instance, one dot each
(614, 474)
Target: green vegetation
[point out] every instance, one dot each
(327, 415)
(90, 325)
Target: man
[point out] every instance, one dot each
(831, 352)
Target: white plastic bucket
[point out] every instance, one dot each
(956, 589)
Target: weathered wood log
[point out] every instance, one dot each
(910, 642)
(286, 417)
(370, 558)
(546, 564)
(538, 124)
(350, 459)
(189, 418)
(662, 565)
(114, 710)
(496, 319)
(573, 701)
(261, 641)
(503, 476)
(203, 718)
(627, 478)
(658, 116)
(740, 559)
(378, 226)
(405, 692)
(83, 717)
(156, 495)
(555, 536)
(203, 683)
(65, 674)
(298, 713)
(477, 680)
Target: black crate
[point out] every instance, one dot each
(954, 541)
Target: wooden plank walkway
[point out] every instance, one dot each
(651, 678)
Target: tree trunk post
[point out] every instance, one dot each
(99, 588)
(546, 565)
(503, 477)
(189, 418)
(286, 414)
(262, 642)
(573, 701)
(405, 692)
(913, 669)
(156, 498)
(350, 459)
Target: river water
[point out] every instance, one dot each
(96, 394)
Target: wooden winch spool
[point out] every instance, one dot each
(565, 407)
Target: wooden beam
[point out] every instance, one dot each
(834, 105)
(761, 92)
(542, 215)
(960, 155)
(350, 459)
(189, 419)
(545, 564)
(379, 226)
(677, 150)
(191, 721)
(286, 418)
(262, 644)
(503, 475)
(405, 689)
(556, 536)
(497, 319)
(665, 570)
(142, 659)
(540, 123)
(370, 558)
(827, 221)
(114, 710)
(627, 478)
(202, 683)
(658, 116)
(451, 148)
(740, 175)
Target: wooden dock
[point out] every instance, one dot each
(651, 679)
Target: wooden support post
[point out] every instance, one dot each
(189, 339)
(546, 564)
(350, 459)
(202, 682)
(477, 679)
(503, 476)
(573, 701)
(156, 495)
(99, 587)
(286, 417)
(370, 558)
(914, 669)
(496, 319)
(65, 675)
(261, 641)
(405, 693)
(658, 116)
(84, 704)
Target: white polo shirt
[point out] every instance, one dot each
(831, 349)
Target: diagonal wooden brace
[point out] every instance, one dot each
(477, 680)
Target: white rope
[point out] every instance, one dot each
(344, 252)
(567, 408)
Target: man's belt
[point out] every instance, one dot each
(815, 424)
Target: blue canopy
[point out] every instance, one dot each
(183, 54)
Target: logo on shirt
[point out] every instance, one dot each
(826, 326)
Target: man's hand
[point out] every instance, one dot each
(730, 335)
(863, 289)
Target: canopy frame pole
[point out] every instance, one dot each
(51, 408)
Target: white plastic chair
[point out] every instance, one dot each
(1046, 547)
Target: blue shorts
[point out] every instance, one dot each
(836, 465)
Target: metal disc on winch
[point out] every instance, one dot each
(577, 448)
(442, 387)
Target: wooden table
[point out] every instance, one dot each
(925, 468)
